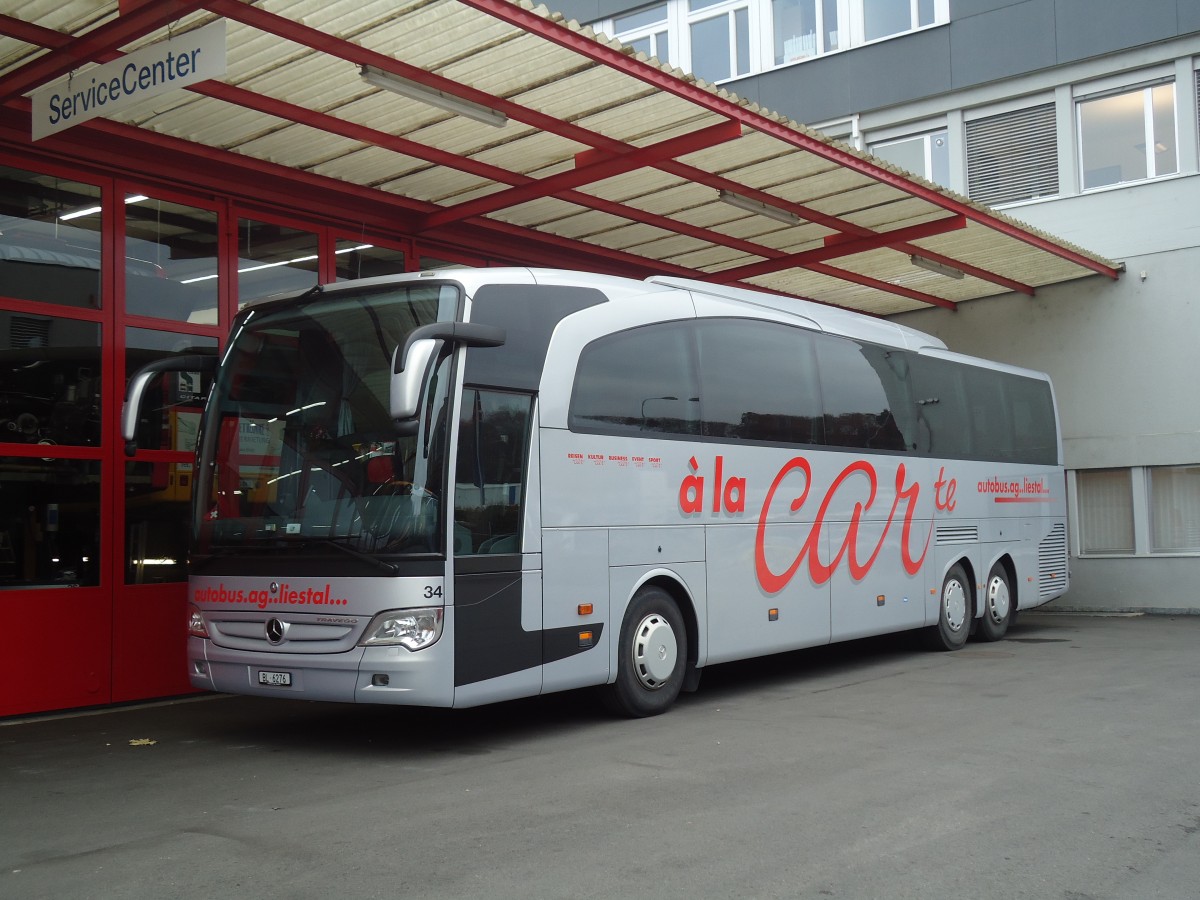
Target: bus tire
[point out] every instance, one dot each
(997, 605)
(651, 656)
(955, 610)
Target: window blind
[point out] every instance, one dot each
(1013, 156)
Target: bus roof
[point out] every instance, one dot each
(831, 319)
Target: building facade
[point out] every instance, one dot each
(1075, 116)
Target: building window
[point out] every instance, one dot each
(646, 31)
(883, 18)
(1013, 156)
(719, 38)
(274, 259)
(1105, 498)
(49, 239)
(803, 28)
(1174, 509)
(50, 527)
(170, 260)
(927, 155)
(1129, 136)
(355, 259)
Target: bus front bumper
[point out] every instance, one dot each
(362, 675)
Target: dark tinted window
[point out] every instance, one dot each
(758, 382)
(941, 407)
(50, 380)
(1033, 419)
(975, 413)
(637, 381)
(861, 384)
(745, 380)
(990, 426)
(529, 314)
(489, 484)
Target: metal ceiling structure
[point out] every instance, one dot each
(593, 154)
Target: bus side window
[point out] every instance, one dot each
(943, 427)
(636, 381)
(758, 382)
(991, 431)
(1033, 422)
(489, 482)
(861, 388)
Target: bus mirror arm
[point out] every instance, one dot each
(469, 334)
(140, 381)
(411, 363)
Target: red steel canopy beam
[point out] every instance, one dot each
(302, 34)
(558, 33)
(885, 286)
(334, 125)
(838, 248)
(595, 168)
(110, 143)
(317, 40)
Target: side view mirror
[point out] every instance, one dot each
(412, 362)
(141, 379)
(409, 374)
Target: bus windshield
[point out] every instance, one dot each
(299, 450)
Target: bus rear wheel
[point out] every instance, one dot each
(651, 656)
(997, 605)
(955, 611)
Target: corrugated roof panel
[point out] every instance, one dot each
(371, 165)
(553, 69)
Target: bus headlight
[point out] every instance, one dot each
(415, 629)
(195, 625)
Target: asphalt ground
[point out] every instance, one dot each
(1063, 762)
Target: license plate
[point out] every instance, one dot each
(275, 679)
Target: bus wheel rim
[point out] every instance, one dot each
(655, 651)
(954, 599)
(998, 599)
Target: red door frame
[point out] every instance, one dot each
(64, 648)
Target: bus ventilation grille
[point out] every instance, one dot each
(957, 534)
(1052, 562)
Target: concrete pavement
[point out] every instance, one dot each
(1059, 763)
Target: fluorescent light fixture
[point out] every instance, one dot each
(92, 210)
(79, 214)
(940, 268)
(762, 209)
(449, 102)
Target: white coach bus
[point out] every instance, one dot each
(458, 487)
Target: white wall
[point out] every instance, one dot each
(1124, 356)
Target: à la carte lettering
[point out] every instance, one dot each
(857, 483)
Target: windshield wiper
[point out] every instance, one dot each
(381, 565)
(268, 548)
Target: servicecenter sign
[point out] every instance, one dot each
(106, 89)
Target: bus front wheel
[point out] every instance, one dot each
(651, 656)
(954, 612)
